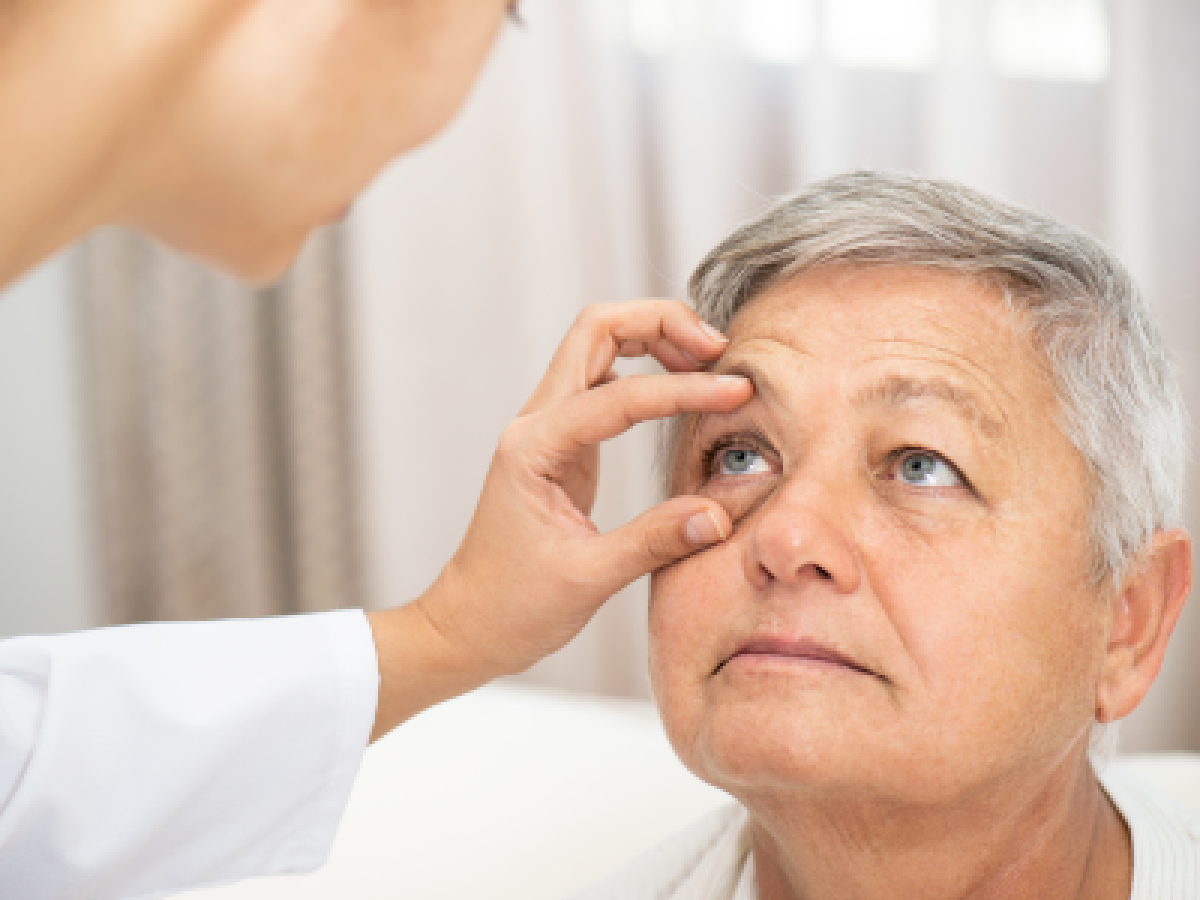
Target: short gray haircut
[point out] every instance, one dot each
(1120, 403)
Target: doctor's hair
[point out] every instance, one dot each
(1119, 402)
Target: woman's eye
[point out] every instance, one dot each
(739, 459)
(927, 470)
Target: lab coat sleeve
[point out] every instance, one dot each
(143, 760)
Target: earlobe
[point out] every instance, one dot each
(1144, 613)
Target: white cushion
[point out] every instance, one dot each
(509, 792)
(526, 793)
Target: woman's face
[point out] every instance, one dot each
(294, 109)
(903, 612)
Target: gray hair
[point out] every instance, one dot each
(1120, 404)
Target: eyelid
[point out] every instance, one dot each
(897, 457)
(713, 448)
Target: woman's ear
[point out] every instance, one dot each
(1144, 613)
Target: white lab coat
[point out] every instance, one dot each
(140, 761)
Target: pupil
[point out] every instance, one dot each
(918, 466)
(738, 460)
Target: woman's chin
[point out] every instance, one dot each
(746, 755)
(254, 256)
(258, 262)
(805, 751)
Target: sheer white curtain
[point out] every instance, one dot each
(611, 142)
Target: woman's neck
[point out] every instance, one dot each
(1062, 840)
(80, 84)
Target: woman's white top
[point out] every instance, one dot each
(139, 761)
(712, 859)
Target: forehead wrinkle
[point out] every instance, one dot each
(965, 360)
(732, 364)
(897, 390)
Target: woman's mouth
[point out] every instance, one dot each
(787, 650)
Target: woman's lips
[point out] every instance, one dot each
(801, 650)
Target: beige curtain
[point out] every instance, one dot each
(611, 142)
(220, 420)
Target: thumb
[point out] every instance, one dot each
(658, 537)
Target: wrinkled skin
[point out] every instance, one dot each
(895, 660)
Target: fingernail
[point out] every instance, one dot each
(702, 528)
(713, 333)
(733, 379)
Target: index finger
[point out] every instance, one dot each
(667, 329)
(591, 417)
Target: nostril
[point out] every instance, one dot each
(824, 573)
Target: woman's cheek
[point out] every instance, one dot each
(678, 630)
(691, 609)
(677, 611)
(664, 600)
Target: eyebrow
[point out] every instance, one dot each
(897, 390)
(692, 423)
(892, 391)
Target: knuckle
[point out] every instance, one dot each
(626, 397)
(592, 316)
(513, 438)
(660, 546)
(674, 311)
(638, 397)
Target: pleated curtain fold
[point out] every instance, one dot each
(221, 434)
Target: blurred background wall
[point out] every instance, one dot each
(46, 560)
(608, 144)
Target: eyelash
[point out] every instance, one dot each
(760, 445)
(719, 446)
(898, 456)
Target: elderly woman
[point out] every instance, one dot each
(956, 560)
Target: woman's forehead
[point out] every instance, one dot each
(884, 301)
(896, 330)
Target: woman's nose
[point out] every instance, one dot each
(802, 534)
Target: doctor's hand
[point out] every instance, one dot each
(533, 569)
